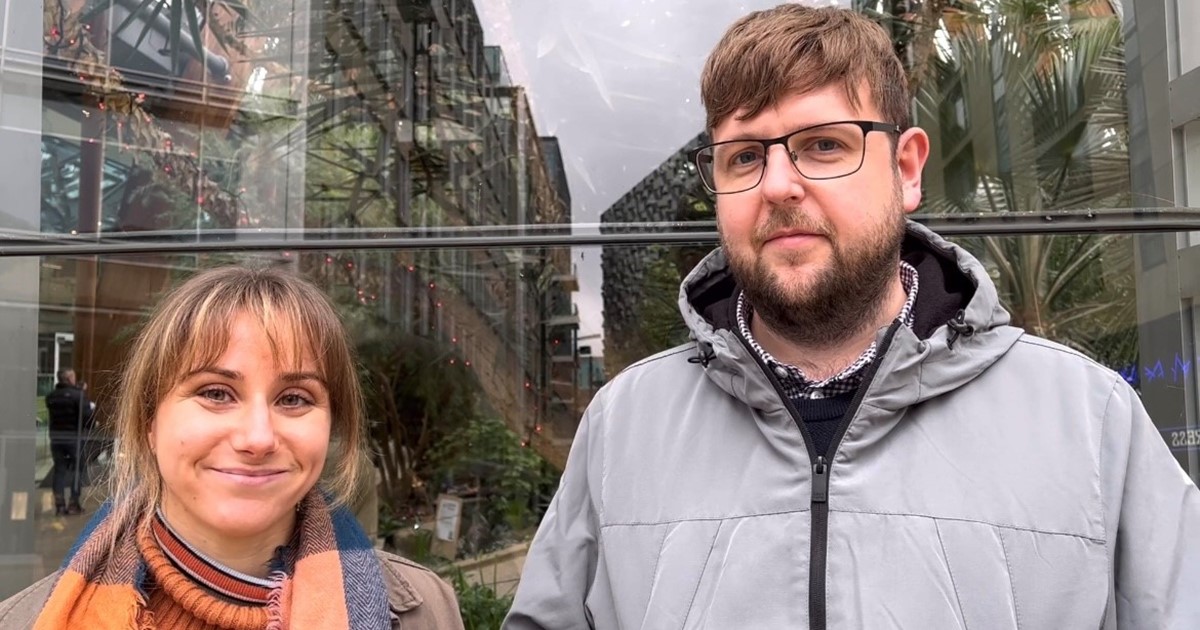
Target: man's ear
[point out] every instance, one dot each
(912, 149)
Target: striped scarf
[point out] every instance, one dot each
(336, 580)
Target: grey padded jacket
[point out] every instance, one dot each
(983, 479)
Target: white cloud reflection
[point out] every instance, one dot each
(617, 81)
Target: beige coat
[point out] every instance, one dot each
(419, 598)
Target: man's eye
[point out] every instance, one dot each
(745, 158)
(825, 145)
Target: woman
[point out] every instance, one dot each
(234, 392)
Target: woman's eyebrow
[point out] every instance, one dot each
(292, 377)
(232, 375)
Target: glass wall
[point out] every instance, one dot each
(496, 196)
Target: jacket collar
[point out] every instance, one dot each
(402, 596)
(960, 328)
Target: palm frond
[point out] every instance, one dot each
(1051, 80)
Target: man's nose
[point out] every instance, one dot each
(781, 182)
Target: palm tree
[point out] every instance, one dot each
(1026, 102)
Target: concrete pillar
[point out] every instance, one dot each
(20, 135)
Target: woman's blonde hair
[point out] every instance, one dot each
(190, 329)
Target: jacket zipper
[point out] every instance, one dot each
(821, 465)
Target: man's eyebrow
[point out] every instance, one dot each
(758, 137)
(740, 137)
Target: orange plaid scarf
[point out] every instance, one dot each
(334, 568)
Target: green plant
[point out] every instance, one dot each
(488, 459)
(660, 325)
(480, 606)
(389, 523)
(417, 389)
(1026, 99)
(417, 545)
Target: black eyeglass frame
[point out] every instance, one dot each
(867, 126)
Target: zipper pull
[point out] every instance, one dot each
(820, 483)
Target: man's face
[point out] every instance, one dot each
(815, 257)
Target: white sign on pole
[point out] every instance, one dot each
(449, 517)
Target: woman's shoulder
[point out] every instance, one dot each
(21, 610)
(415, 591)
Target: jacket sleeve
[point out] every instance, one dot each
(1153, 523)
(21, 611)
(88, 411)
(562, 561)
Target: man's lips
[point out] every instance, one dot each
(793, 237)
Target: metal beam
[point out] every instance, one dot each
(15, 244)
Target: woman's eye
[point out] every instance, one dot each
(216, 395)
(294, 400)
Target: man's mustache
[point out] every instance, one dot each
(787, 220)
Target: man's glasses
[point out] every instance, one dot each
(826, 151)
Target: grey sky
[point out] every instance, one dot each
(617, 81)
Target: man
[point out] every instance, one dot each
(856, 438)
(70, 424)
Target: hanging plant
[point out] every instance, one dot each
(74, 43)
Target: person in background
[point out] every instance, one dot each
(71, 419)
(95, 443)
(856, 437)
(232, 395)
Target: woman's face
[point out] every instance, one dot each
(240, 442)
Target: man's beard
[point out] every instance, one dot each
(831, 305)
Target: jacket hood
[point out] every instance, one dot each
(959, 328)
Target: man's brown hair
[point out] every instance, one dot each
(793, 49)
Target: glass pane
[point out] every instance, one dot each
(497, 196)
(471, 361)
(476, 371)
